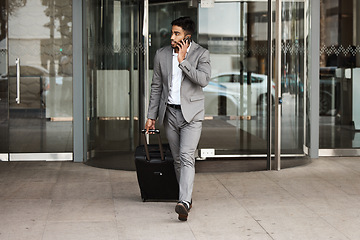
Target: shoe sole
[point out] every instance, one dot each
(181, 210)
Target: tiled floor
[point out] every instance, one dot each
(65, 200)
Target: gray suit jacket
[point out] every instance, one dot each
(196, 75)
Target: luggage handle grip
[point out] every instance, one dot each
(150, 131)
(156, 131)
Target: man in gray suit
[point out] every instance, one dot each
(181, 71)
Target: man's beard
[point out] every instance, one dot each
(175, 46)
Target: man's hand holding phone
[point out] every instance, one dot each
(183, 46)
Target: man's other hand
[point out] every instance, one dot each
(150, 125)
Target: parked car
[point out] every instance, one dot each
(232, 94)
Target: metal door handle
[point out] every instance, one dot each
(17, 62)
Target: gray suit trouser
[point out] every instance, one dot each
(183, 139)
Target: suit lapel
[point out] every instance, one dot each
(168, 65)
(192, 49)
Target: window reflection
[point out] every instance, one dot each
(339, 74)
(236, 97)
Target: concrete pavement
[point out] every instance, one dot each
(65, 200)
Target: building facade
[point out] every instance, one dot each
(75, 78)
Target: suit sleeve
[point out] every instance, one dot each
(201, 73)
(156, 90)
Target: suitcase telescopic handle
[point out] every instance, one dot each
(157, 132)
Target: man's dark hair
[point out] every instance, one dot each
(185, 23)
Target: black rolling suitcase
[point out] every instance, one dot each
(155, 171)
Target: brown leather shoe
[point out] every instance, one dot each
(183, 211)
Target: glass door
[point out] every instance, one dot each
(339, 120)
(122, 38)
(161, 14)
(294, 62)
(112, 82)
(36, 67)
(236, 98)
(236, 105)
(235, 33)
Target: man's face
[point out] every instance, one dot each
(177, 34)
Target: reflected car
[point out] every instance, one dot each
(232, 94)
(290, 83)
(329, 90)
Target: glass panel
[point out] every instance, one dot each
(42, 41)
(293, 77)
(236, 35)
(4, 106)
(112, 83)
(235, 100)
(236, 96)
(339, 74)
(160, 17)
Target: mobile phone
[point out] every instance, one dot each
(187, 39)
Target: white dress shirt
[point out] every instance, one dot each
(177, 75)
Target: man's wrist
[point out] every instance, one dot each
(151, 120)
